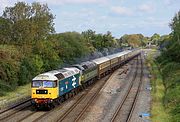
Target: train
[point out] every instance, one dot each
(56, 86)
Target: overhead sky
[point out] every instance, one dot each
(118, 16)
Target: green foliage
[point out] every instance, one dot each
(155, 38)
(175, 26)
(23, 51)
(100, 41)
(30, 67)
(28, 45)
(175, 112)
(133, 40)
(9, 65)
(172, 95)
(27, 23)
(171, 76)
(158, 111)
(170, 68)
(4, 87)
(163, 41)
(70, 45)
(48, 54)
(5, 30)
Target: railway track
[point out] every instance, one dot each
(76, 112)
(64, 114)
(74, 108)
(78, 107)
(40, 115)
(125, 109)
(137, 94)
(11, 111)
(23, 112)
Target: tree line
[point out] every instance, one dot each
(29, 44)
(169, 63)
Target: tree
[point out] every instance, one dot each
(5, 30)
(173, 48)
(89, 35)
(133, 40)
(100, 41)
(107, 40)
(170, 67)
(29, 22)
(70, 45)
(155, 39)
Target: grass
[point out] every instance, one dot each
(158, 111)
(22, 92)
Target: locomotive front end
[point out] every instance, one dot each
(44, 90)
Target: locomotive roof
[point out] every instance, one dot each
(88, 64)
(57, 74)
(78, 66)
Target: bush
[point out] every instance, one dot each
(171, 78)
(4, 88)
(30, 67)
(9, 65)
(176, 113)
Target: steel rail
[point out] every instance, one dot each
(125, 96)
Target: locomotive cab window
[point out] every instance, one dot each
(45, 84)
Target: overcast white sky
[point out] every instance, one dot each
(118, 16)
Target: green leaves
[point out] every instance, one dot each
(48, 53)
(133, 40)
(70, 45)
(100, 41)
(29, 68)
(9, 65)
(170, 68)
(27, 23)
(5, 30)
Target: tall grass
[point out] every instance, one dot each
(11, 97)
(158, 111)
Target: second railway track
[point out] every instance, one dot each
(125, 109)
(83, 104)
(78, 106)
(72, 110)
(12, 111)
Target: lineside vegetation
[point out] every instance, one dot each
(30, 46)
(158, 111)
(167, 79)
